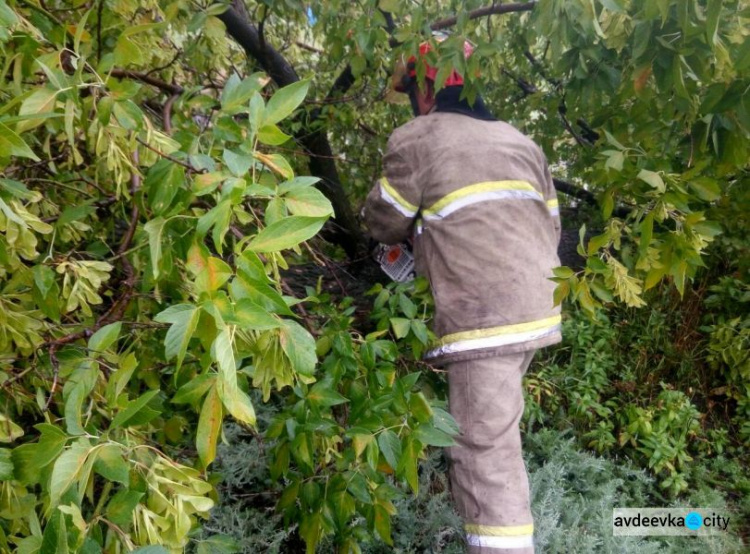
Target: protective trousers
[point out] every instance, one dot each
(488, 476)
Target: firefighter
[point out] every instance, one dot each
(476, 198)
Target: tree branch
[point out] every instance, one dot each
(346, 228)
(588, 197)
(481, 12)
(148, 79)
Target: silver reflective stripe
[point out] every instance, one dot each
(521, 541)
(482, 197)
(554, 212)
(492, 341)
(393, 201)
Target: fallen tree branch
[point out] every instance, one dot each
(172, 159)
(148, 79)
(117, 309)
(346, 231)
(585, 195)
(495, 9)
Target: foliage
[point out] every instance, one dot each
(141, 294)
(336, 443)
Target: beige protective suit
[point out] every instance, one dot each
(477, 198)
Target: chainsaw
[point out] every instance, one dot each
(396, 261)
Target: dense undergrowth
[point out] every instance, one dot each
(635, 408)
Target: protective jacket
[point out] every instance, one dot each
(478, 199)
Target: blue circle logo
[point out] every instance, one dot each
(693, 521)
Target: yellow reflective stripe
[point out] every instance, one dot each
(477, 188)
(498, 531)
(396, 196)
(501, 330)
(553, 203)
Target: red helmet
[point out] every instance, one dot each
(404, 73)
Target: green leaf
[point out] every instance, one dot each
(357, 486)
(445, 422)
(214, 273)
(55, 537)
(407, 306)
(272, 135)
(40, 102)
(236, 94)
(408, 464)
(308, 201)
(321, 394)
(238, 164)
(706, 188)
(8, 18)
(390, 447)
(6, 465)
(9, 431)
(154, 230)
(237, 403)
(299, 346)
(184, 319)
(111, 465)
(120, 509)
(301, 451)
(427, 434)
(51, 443)
(382, 521)
(222, 352)
(420, 330)
(132, 409)
(209, 427)
(250, 316)
(276, 163)
(18, 190)
(285, 101)
(653, 179)
(286, 233)
(25, 464)
(162, 182)
(128, 114)
(193, 390)
(297, 183)
(66, 468)
(261, 294)
(13, 145)
(73, 406)
(563, 272)
(615, 160)
(105, 337)
(400, 326)
(420, 408)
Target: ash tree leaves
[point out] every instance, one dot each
(236, 94)
(184, 320)
(149, 222)
(66, 469)
(6, 465)
(299, 346)
(201, 159)
(664, 175)
(209, 427)
(285, 101)
(286, 233)
(13, 145)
